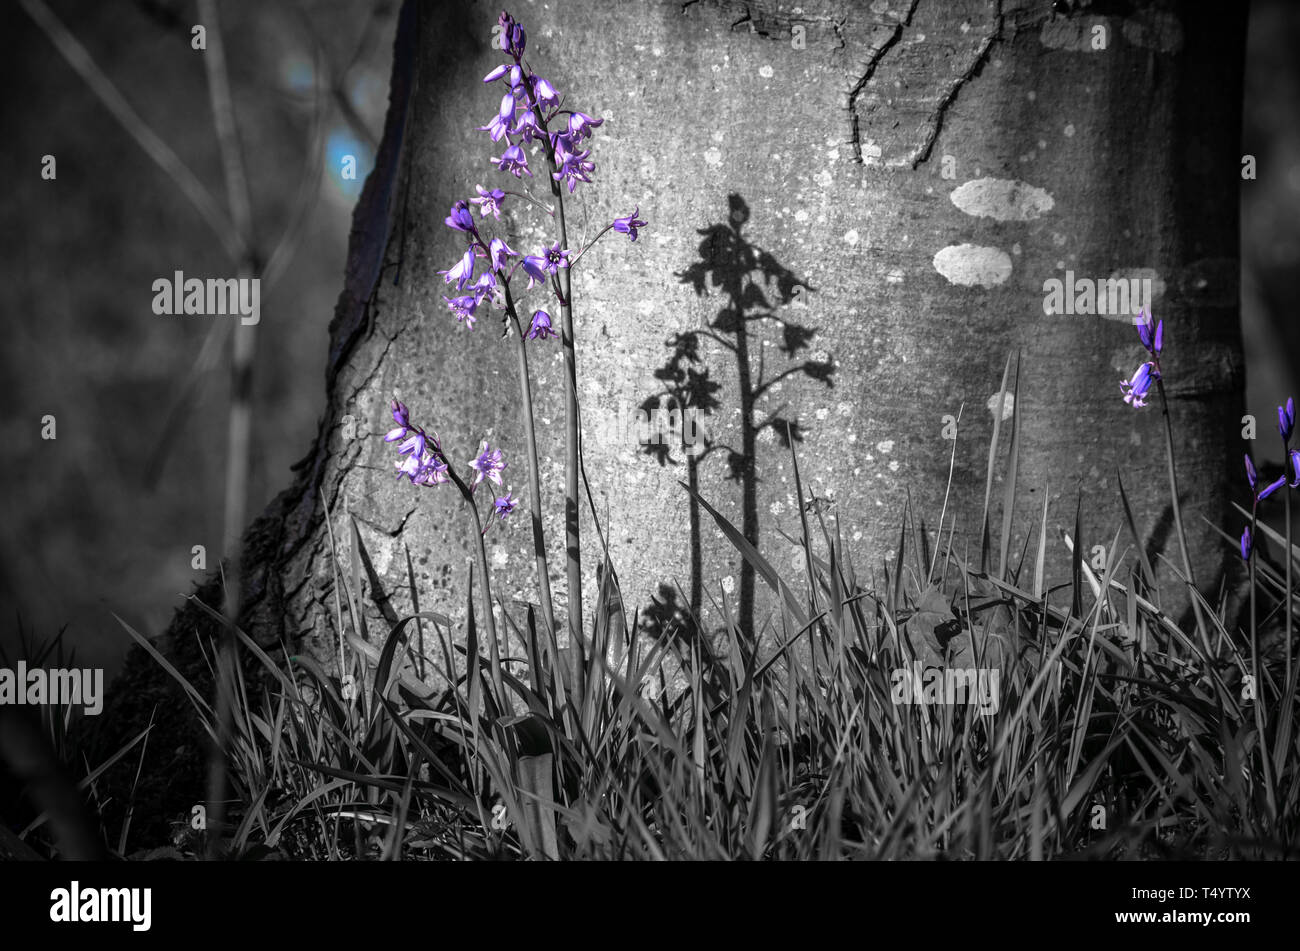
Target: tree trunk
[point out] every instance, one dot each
(854, 213)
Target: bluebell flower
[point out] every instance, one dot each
(500, 124)
(513, 39)
(1152, 340)
(488, 201)
(1286, 420)
(505, 504)
(527, 128)
(629, 224)
(464, 307)
(514, 161)
(1247, 544)
(460, 218)
(580, 126)
(487, 465)
(573, 166)
(1272, 487)
(403, 420)
(1136, 389)
(541, 326)
(545, 93)
(461, 272)
(1253, 478)
(498, 251)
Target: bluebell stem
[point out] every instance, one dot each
(1285, 427)
(1135, 393)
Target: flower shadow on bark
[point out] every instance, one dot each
(753, 285)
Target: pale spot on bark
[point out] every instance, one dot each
(1002, 199)
(1142, 274)
(1154, 30)
(1008, 404)
(973, 265)
(1073, 33)
(851, 237)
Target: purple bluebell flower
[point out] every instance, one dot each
(1272, 487)
(461, 272)
(1253, 478)
(1295, 469)
(1247, 544)
(460, 218)
(514, 78)
(1152, 337)
(527, 128)
(485, 287)
(535, 267)
(421, 460)
(629, 224)
(500, 124)
(1286, 420)
(488, 201)
(514, 161)
(403, 420)
(545, 93)
(409, 467)
(555, 258)
(541, 326)
(580, 126)
(413, 446)
(505, 504)
(1136, 389)
(513, 39)
(433, 471)
(573, 166)
(464, 307)
(487, 465)
(498, 251)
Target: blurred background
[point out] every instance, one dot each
(104, 518)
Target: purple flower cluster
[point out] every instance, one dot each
(528, 107)
(529, 112)
(424, 463)
(1138, 386)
